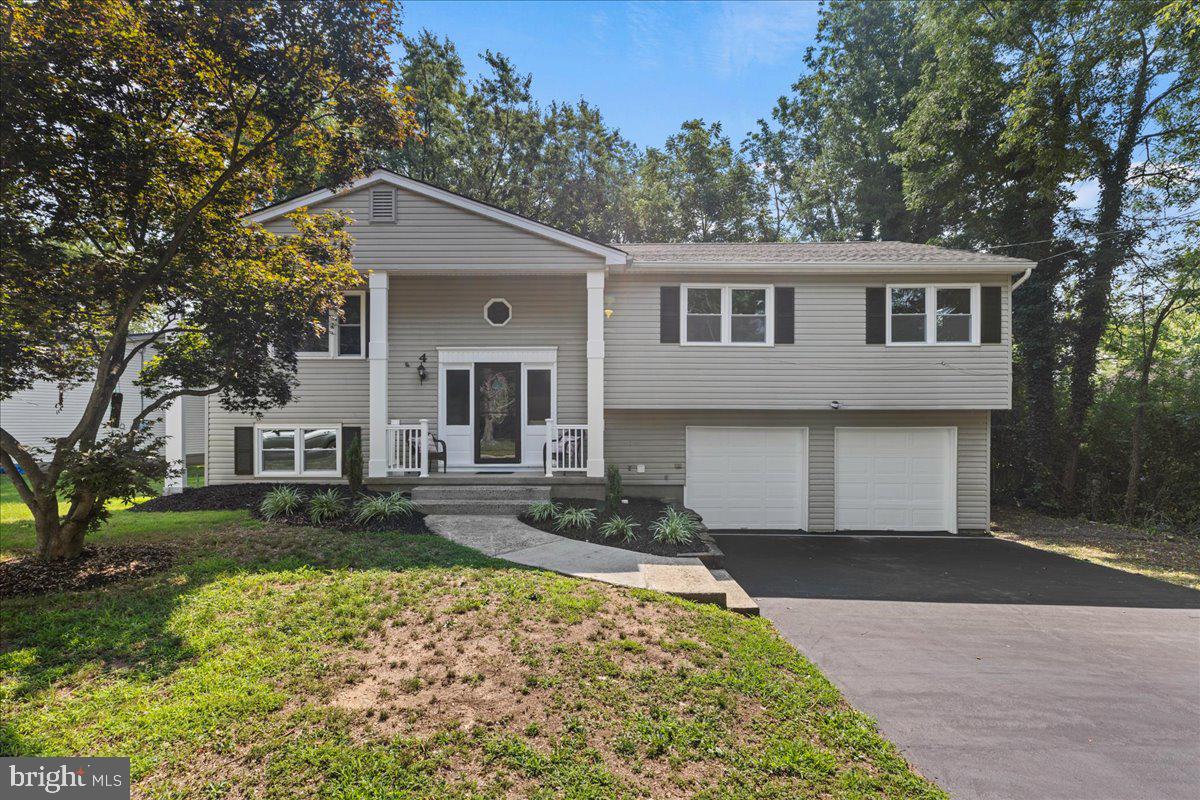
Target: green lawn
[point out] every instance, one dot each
(292, 662)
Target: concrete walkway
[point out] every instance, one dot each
(513, 540)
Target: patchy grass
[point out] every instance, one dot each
(1174, 558)
(17, 534)
(296, 662)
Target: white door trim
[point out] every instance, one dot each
(951, 484)
(804, 459)
(465, 359)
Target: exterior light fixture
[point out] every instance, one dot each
(422, 373)
(608, 306)
(835, 405)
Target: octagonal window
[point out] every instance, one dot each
(497, 311)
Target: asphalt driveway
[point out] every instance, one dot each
(1002, 671)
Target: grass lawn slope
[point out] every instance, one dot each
(297, 662)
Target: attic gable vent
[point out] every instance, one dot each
(383, 205)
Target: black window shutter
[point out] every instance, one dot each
(349, 435)
(989, 320)
(876, 308)
(785, 315)
(668, 314)
(366, 323)
(243, 450)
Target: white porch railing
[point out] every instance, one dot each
(408, 447)
(566, 448)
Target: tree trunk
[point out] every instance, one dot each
(1139, 414)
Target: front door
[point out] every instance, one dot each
(498, 413)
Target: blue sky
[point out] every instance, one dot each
(647, 66)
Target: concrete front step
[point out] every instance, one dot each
(691, 582)
(474, 507)
(736, 598)
(432, 494)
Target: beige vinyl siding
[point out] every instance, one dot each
(656, 439)
(428, 313)
(330, 391)
(430, 232)
(829, 361)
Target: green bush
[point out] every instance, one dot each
(612, 488)
(619, 528)
(674, 527)
(282, 501)
(325, 506)
(542, 510)
(382, 506)
(571, 517)
(354, 461)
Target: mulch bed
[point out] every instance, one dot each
(95, 566)
(232, 497)
(236, 496)
(643, 511)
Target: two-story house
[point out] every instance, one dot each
(825, 386)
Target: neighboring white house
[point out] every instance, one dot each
(823, 386)
(36, 414)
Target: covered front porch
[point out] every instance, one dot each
(484, 375)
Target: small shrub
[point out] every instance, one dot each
(325, 506)
(382, 506)
(619, 528)
(674, 527)
(571, 517)
(354, 465)
(542, 510)
(282, 501)
(612, 488)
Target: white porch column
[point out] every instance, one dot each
(173, 448)
(377, 283)
(595, 373)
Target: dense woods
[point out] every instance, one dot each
(1062, 132)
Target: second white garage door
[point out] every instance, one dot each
(748, 477)
(895, 479)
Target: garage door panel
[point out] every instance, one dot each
(894, 479)
(747, 477)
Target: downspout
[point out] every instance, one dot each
(1021, 280)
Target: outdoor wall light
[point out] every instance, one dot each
(835, 405)
(422, 373)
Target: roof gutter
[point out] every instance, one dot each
(1021, 280)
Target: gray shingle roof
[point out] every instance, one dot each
(813, 253)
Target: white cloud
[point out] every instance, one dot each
(749, 33)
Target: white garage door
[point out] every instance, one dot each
(748, 477)
(895, 479)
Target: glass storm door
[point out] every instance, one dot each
(498, 420)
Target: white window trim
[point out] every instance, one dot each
(931, 314)
(727, 314)
(298, 451)
(497, 300)
(334, 324)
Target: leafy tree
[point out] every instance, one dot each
(135, 136)
(841, 123)
(696, 188)
(1131, 86)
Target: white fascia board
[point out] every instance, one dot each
(611, 255)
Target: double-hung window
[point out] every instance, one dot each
(732, 315)
(345, 335)
(298, 450)
(946, 314)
